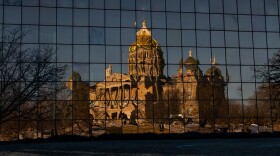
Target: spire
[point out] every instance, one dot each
(190, 52)
(144, 31)
(144, 24)
(214, 60)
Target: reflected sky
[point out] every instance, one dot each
(88, 33)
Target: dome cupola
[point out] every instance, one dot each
(191, 63)
(145, 54)
(214, 70)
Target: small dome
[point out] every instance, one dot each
(144, 40)
(191, 60)
(191, 63)
(214, 71)
(146, 43)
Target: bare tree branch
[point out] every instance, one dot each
(25, 75)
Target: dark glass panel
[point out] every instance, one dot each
(112, 4)
(201, 6)
(245, 23)
(128, 19)
(81, 53)
(248, 89)
(81, 17)
(12, 14)
(48, 16)
(96, 17)
(1, 15)
(113, 54)
(64, 3)
(217, 22)
(97, 35)
(113, 18)
(258, 23)
(273, 40)
(31, 34)
(216, 6)
(127, 36)
(143, 5)
(158, 21)
(48, 3)
(81, 35)
(187, 6)
(259, 40)
(174, 56)
(12, 2)
(97, 54)
(158, 5)
(128, 4)
(202, 21)
(64, 35)
(244, 6)
(272, 23)
(231, 22)
(30, 15)
(257, 7)
(97, 4)
(173, 21)
(230, 6)
(113, 36)
(30, 2)
(271, 7)
(217, 39)
(203, 38)
(234, 75)
(231, 39)
(245, 39)
(173, 38)
(188, 20)
(160, 36)
(232, 56)
(260, 56)
(81, 3)
(64, 53)
(189, 38)
(47, 34)
(64, 16)
(247, 56)
(204, 56)
(173, 5)
(101, 72)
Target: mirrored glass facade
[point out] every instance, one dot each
(151, 66)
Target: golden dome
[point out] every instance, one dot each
(144, 40)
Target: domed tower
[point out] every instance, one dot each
(215, 85)
(214, 74)
(145, 55)
(188, 87)
(191, 64)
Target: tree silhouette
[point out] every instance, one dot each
(26, 75)
(270, 75)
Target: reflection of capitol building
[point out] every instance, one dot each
(145, 93)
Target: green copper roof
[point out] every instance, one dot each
(191, 60)
(191, 63)
(214, 71)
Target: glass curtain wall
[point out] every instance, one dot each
(141, 66)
